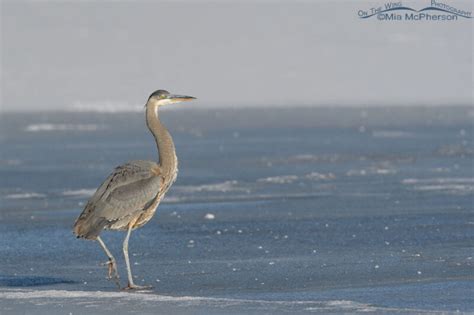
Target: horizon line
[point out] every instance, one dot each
(135, 109)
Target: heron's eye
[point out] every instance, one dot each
(163, 96)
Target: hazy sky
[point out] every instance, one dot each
(63, 54)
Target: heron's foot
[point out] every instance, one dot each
(112, 271)
(132, 286)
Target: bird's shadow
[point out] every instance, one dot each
(31, 281)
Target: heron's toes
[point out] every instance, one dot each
(137, 287)
(112, 271)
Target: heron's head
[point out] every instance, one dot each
(162, 97)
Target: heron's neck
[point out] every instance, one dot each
(167, 153)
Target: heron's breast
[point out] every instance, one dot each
(150, 211)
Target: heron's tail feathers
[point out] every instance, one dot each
(89, 227)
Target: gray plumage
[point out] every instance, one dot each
(128, 198)
(124, 195)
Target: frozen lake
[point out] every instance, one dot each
(274, 211)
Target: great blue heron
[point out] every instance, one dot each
(128, 198)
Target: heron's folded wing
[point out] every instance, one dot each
(128, 189)
(128, 199)
(123, 175)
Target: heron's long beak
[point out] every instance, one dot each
(180, 98)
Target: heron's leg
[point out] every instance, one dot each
(131, 285)
(112, 264)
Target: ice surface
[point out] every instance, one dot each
(149, 303)
(284, 179)
(231, 185)
(63, 127)
(459, 185)
(24, 195)
(275, 212)
(209, 216)
(84, 192)
(391, 134)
